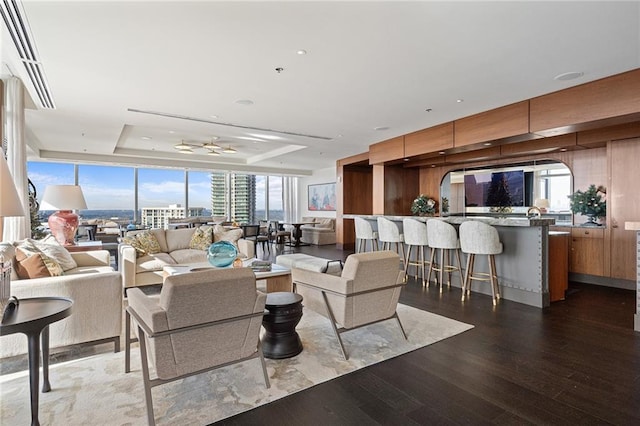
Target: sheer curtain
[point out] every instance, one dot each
(16, 228)
(290, 198)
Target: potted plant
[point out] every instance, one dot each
(424, 206)
(590, 203)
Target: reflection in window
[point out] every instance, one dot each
(544, 181)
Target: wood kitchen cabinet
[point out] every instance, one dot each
(587, 251)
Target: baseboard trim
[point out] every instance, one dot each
(603, 281)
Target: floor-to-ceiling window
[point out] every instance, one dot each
(160, 196)
(108, 190)
(111, 193)
(199, 192)
(275, 211)
(42, 174)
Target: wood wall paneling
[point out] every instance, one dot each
(623, 205)
(400, 188)
(588, 105)
(355, 196)
(505, 122)
(431, 140)
(354, 159)
(389, 150)
(430, 178)
(378, 199)
(558, 266)
(590, 138)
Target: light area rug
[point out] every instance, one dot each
(95, 389)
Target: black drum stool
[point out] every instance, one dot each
(284, 312)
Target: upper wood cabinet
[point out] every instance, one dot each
(427, 141)
(511, 121)
(389, 150)
(612, 100)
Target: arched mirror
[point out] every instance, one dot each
(510, 189)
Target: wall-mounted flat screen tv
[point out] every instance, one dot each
(497, 189)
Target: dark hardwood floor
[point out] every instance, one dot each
(575, 363)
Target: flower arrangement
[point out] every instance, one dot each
(590, 203)
(424, 206)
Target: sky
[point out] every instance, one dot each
(111, 187)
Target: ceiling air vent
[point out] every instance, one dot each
(14, 19)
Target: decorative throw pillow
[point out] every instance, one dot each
(32, 263)
(52, 248)
(221, 234)
(144, 243)
(325, 223)
(202, 238)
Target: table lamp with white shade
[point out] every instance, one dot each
(542, 204)
(10, 205)
(63, 223)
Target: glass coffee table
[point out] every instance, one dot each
(277, 279)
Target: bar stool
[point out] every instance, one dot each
(443, 236)
(388, 233)
(364, 233)
(415, 235)
(480, 238)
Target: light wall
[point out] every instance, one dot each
(327, 175)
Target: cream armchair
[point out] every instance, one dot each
(367, 291)
(202, 320)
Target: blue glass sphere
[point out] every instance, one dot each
(222, 254)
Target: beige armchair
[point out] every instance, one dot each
(201, 321)
(367, 291)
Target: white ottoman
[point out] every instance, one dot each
(310, 263)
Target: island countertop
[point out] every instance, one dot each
(456, 220)
(523, 265)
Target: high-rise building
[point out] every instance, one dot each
(233, 195)
(158, 217)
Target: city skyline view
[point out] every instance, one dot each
(112, 187)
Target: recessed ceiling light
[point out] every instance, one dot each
(405, 159)
(244, 102)
(433, 165)
(563, 149)
(568, 76)
(339, 136)
(146, 138)
(301, 52)
(381, 128)
(441, 153)
(459, 101)
(486, 143)
(172, 131)
(213, 116)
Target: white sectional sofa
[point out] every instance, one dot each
(96, 291)
(321, 232)
(176, 246)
